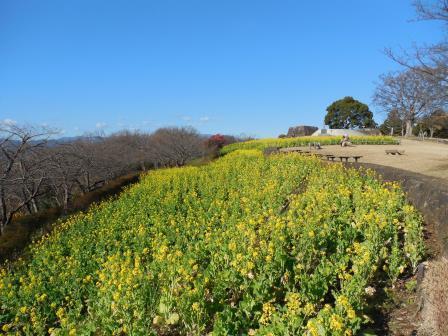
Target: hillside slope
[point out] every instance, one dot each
(248, 244)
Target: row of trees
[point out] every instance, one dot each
(434, 124)
(36, 172)
(415, 119)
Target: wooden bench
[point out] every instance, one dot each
(394, 151)
(330, 157)
(344, 157)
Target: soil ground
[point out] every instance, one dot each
(424, 157)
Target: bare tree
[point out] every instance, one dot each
(410, 94)
(429, 61)
(63, 170)
(21, 173)
(135, 147)
(35, 173)
(176, 146)
(95, 163)
(436, 121)
(437, 10)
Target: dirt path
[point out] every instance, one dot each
(427, 158)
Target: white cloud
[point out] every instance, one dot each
(204, 119)
(186, 118)
(100, 125)
(8, 122)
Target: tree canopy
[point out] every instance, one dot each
(349, 113)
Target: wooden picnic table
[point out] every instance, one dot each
(355, 157)
(343, 157)
(329, 157)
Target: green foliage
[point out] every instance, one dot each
(392, 123)
(349, 113)
(246, 245)
(411, 285)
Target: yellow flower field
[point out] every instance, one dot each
(247, 245)
(304, 141)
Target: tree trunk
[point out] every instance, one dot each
(66, 199)
(408, 128)
(28, 209)
(34, 206)
(142, 165)
(4, 212)
(4, 223)
(56, 200)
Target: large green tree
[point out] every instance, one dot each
(349, 113)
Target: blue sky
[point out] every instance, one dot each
(228, 66)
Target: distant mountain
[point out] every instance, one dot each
(66, 140)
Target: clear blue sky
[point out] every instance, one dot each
(228, 66)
